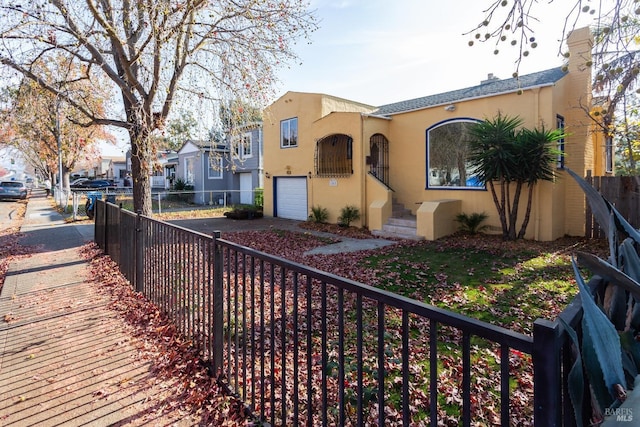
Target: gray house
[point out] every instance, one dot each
(224, 173)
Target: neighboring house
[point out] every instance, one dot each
(247, 157)
(224, 173)
(101, 168)
(104, 168)
(163, 172)
(117, 170)
(409, 156)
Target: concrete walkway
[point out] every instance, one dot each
(66, 359)
(346, 244)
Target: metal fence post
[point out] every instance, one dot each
(547, 398)
(96, 226)
(106, 224)
(217, 304)
(138, 247)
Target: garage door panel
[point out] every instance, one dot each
(246, 193)
(291, 198)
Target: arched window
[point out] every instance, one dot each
(334, 155)
(447, 149)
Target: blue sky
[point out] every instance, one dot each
(381, 51)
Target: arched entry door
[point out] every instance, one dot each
(379, 158)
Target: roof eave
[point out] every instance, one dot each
(472, 98)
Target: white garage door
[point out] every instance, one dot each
(291, 198)
(246, 192)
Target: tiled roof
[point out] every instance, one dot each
(492, 87)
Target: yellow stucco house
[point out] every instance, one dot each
(402, 165)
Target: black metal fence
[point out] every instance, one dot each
(304, 347)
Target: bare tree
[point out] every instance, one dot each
(155, 53)
(45, 127)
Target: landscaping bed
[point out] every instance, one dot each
(340, 230)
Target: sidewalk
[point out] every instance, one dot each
(65, 358)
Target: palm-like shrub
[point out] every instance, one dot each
(319, 214)
(471, 223)
(348, 214)
(508, 159)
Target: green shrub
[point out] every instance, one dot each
(258, 197)
(472, 223)
(319, 215)
(181, 185)
(348, 214)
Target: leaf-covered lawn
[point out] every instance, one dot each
(505, 283)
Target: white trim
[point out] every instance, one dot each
(210, 169)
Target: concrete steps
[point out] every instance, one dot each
(402, 225)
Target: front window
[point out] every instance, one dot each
(447, 150)
(242, 146)
(560, 126)
(189, 170)
(215, 166)
(289, 133)
(334, 155)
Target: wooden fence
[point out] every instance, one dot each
(623, 192)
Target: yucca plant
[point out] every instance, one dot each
(348, 214)
(472, 223)
(319, 214)
(607, 351)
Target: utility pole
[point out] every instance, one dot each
(59, 141)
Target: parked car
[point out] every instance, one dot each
(95, 184)
(13, 190)
(77, 183)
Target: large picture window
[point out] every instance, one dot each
(447, 150)
(289, 133)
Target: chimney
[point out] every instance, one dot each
(580, 44)
(490, 78)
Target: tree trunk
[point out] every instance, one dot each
(513, 214)
(500, 207)
(527, 215)
(141, 172)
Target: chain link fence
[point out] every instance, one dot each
(166, 201)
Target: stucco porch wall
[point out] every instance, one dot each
(436, 219)
(380, 203)
(335, 193)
